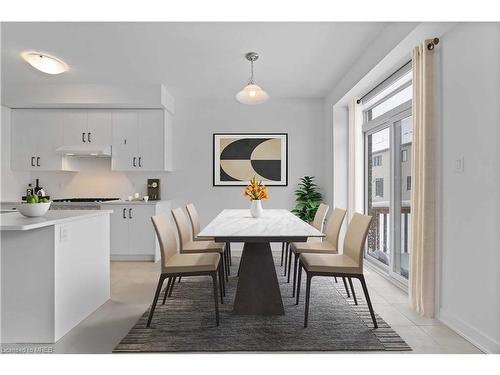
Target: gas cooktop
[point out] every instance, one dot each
(85, 200)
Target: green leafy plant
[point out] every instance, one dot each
(308, 199)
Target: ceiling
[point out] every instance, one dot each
(192, 59)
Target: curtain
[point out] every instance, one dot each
(355, 159)
(422, 262)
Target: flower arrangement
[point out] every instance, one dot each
(256, 191)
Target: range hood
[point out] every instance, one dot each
(93, 150)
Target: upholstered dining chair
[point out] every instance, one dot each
(195, 229)
(175, 265)
(187, 246)
(318, 222)
(349, 264)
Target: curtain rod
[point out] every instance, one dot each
(430, 47)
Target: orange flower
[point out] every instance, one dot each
(256, 190)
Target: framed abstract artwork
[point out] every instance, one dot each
(240, 156)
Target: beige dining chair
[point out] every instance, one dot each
(195, 230)
(318, 223)
(188, 246)
(349, 264)
(175, 265)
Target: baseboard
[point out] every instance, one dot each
(133, 258)
(476, 337)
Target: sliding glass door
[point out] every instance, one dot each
(388, 186)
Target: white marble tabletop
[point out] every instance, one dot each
(273, 224)
(16, 221)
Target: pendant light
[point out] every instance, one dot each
(252, 93)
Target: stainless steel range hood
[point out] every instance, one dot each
(93, 150)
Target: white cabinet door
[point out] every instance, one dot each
(152, 140)
(23, 140)
(75, 127)
(49, 126)
(142, 235)
(125, 141)
(99, 127)
(119, 229)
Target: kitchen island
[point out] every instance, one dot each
(54, 272)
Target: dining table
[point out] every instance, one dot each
(258, 291)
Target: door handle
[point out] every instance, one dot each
(130, 213)
(140, 157)
(32, 161)
(133, 161)
(124, 210)
(83, 137)
(38, 161)
(88, 137)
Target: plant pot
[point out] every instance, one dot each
(256, 208)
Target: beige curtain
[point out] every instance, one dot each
(355, 170)
(422, 263)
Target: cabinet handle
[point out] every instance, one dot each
(38, 161)
(83, 137)
(88, 137)
(124, 213)
(32, 161)
(140, 157)
(133, 161)
(130, 213)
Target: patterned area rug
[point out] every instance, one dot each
(186, 323)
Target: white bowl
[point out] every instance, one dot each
(33, 209)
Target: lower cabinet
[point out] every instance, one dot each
(132, 233)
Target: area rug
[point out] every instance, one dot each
(186, 323)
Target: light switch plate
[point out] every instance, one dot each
(63, 234)
(459, 165)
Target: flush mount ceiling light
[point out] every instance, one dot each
(252, 93)
(45, 63)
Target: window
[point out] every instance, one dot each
(408, 183)
(377, 161)
(404, 155)
(379, 187)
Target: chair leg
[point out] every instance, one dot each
(282, 253)
(286, 258)
(308, 295)
(155, 300)
(368, 301)
(335, 278)
(346, 288)
(296, 261)
(221, 287)
(228, 249)
(289, 264)
(352, 291)
(298, 282)
(226, 254)
(221, 278)
(216, 298)
(178, 282)
(171, 287)
(166, 290)
(224, 263)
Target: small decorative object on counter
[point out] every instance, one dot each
(154, 189)
(34, 206)
(256, 191)
(146, 198)
(29, 190)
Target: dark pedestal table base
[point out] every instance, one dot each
(258, 291)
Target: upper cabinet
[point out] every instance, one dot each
(35, 136)
(142, 140)
(86, 127)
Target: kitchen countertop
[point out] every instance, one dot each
(122, 201)
(16, 221)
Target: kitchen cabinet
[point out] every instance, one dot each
(142, 140)
(35, 136)
(132, 233)
(86, 127)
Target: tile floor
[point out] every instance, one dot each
(133, 285)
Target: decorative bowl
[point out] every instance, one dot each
(33, 209)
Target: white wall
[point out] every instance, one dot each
(197, 120)
(470, 201)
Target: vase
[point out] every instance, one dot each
(256, 208)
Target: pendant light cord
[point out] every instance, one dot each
(251, 75)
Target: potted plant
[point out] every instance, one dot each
(308, 199)
(256, 192)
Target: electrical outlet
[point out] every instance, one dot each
(63, 234)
